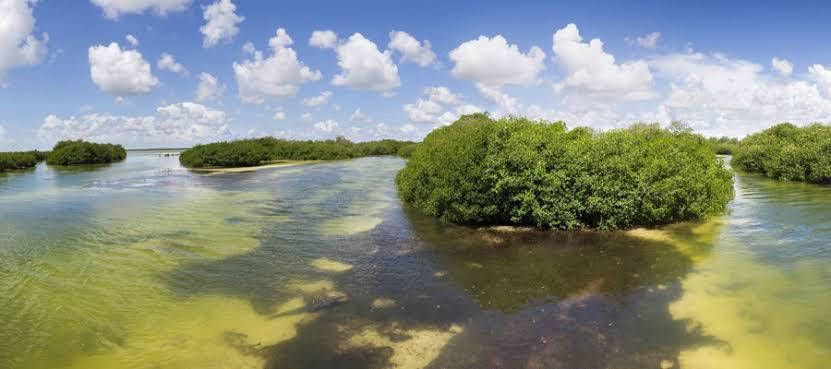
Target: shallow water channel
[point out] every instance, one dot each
(144, 264)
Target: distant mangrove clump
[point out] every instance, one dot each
(723, 145)
(21, 159)
(787, 152)
(258, 151)
(83, 152)
(515, 171)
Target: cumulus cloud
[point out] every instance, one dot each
(782, 66)
(168, 62)
(318, 100)
(327, 126)
(279, 75)
(209, 88)
(178, 124)
(507, 103)
(323, 39)
(280, 115)
(120, 72)
(411, 49)
(364, 67)
(221, 22)
(494, 62)
(439, 105)
(115, 8)
(649, 41)
(18, 45)
(821, 74)
(132, 40)
(2, 134)
(592, 73)
(699, 84)
(359, 116)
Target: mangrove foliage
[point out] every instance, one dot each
(515, 171)
(253, 152)
(83, 152)
(788, 152)
(21, 159)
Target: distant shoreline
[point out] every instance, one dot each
(282, 163)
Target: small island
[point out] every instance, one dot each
(21, 159)
(269, 150)
(521, 172)
(788, 152)
(83, 152)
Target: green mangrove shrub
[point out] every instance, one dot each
(17, 160)
(517, 171)
(788, 152)
(723, 145)
(252, 152)
(83, 152)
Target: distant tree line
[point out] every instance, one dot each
(516, 171)
(788, 152)
(253, 152)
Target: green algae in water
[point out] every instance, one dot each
(144, 265)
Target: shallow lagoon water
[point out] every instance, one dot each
(143, 264)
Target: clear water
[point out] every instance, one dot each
(143, 264)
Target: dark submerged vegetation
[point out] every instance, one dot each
(253, 152)
(21, 159)
(787, 152)
(83, 152)
(516, 171)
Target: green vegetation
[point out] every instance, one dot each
(253, 152)
(406, 151)
(17, 160)
(82, 152)
(723, 145)
(787, 152)
(515, 171)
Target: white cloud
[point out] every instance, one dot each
(280, 115)
(364, 67)
(440, 106)
(493, 62)
(18, 46)
(782, 66)
(120, 72)
(279, 75)
(2, 134)
(821, 74)
(132, 40)
(442, 95)
(412, 50)
(507, 103)
(359, 116)
(115, 8)
(326, 126)
(209, 88)
(649, 41)
(592, 73)
(184, 123)
(221, 23)
(318, 100)
(168, 62)
(699, 85)
(324, 39)
(306, 116)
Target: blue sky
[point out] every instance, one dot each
(710, 64)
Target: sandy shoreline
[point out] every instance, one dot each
(251, 169)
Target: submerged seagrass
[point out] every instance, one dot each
(787, 152)
(522, 172)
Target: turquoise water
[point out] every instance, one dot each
(143, 264)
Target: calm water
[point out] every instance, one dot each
(143, 264)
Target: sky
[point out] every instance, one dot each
(174, 73)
